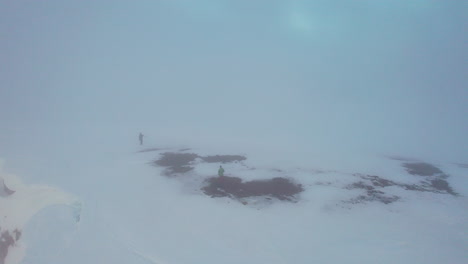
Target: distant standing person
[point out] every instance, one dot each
(141, 138)
(221, 171)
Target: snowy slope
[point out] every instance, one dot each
(138, 214)
(18, 205)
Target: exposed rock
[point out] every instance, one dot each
(372, 194)
(374, 186)
(184, 149)
(421, 169)
(179, 163)
(223, 158)
(377, 181)
(436, 182)
(176, 162)
(280, 188)
(6, 241)
(4, 190)
(374, 197)
(442, 185)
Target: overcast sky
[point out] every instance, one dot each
(385, 76)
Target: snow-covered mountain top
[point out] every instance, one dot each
(257, 212)
(245, 181)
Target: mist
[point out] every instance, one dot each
(329, 76)
(342, 100)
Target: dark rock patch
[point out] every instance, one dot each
(442, 185)
(172, 159)
(375, 184)
(375, 197)
(372, 194)
(150, 149)
(176, 162)
(280, 188)
(436, 182)
(223, 158)
(434, 186)
(377, 181)
(184, 149)
(421, 169)
(6, 241)
(414, 187)
(4, 190)
(179, 169)
(180, 162)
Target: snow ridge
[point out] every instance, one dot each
(18, 204)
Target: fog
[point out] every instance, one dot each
(387, 77)
(318, 91)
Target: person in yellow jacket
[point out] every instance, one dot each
(221, 171)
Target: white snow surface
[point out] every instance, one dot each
(17, 209)
(133, 214)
